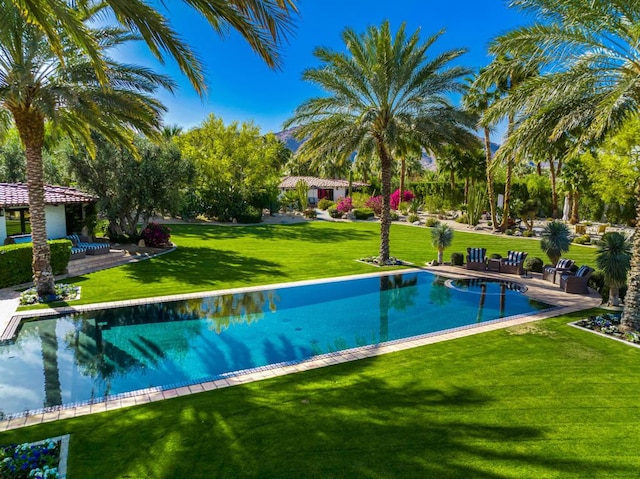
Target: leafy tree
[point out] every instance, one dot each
(556, 239)
(441, 238)
(236, 166)
(13, 162)
(383, 93)
(264, 24)
(36, 86)
(576, 181)
(614, 260)
(132, 190)
(588, 50)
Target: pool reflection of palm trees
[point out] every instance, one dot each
(397, 292)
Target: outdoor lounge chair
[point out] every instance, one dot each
(513, 263)
(576, 283)
(476, 259)
(87, 247)
(553, 273)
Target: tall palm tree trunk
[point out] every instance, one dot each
(403, 172)
(574, 208)
(30, 125)
(554, 172)
(385, 219)
(507, 182)
(490, 192)
(631, 313)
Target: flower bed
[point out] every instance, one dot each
(375, 260)
(64, 292)
(31, 460)
(608, 324)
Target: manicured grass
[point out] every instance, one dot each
(220, 257)
(541, 400)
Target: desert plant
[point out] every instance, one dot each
(414, 206)
(413, 218)
(614, 260)
(457, 259)
(527, 233)
(556, 239)
(302, 190)
(475, 204)
(533, 264)
(462, 219)
(394, 215)
(441, 238)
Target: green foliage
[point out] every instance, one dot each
(334, 212)
(249, 214)
(477, 203)
(495, 256)
(462, 219)
(324, 203)
(156, 235)
(533, 264)
(289, 200)
(302, 189)
(13, 162)
(441, 238)
(457, 259)
(412, 218)
(15, 261)
(363, 213)
(614, 259)
(556, 239)
(508, 232)
(359, 199)
(431, 222)
(394, 215)
(527, 233)
(310, 213)
(132, 190)
(584, 239)
(235, 166)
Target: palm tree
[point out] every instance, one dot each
(383, 94)
(441, 238)
(36, 87)
(556, 239)
(614, 260)
(264, 24)
(588, 52)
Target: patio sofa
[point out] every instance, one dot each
(79, 246)
(553, 273)
(513, 263)
(576, 282)
(476, 259)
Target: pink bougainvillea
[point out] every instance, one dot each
(344, 205)
(407, 196)
(375, 203)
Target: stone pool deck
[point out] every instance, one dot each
(536, 288)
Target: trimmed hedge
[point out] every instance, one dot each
(363, 213)
(457, 259)
(533, 264)
(15, 261)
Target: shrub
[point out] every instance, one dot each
(457, 259)
(584, 239)
(413, 218)
(375, 203)
(461, 219)
(489, 223)
(496, 256)
(15, 261)
(30, 460)
(527, 233)
(310, 213)
(508, 232)
(344, 205)
(533, 264)
(394, 215)
(250, 214)
(403, 207)
(325, 203)
(334, 212)
(363, 213)
(359, 199)
(431, 222)
(156, 235)
(407, 197)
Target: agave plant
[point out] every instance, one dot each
(614, 260)
(556, 239)
(441, 238)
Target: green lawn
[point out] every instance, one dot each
(220, 257)
(536, 401)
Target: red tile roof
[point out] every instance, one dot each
(16, 194)
(312, 181)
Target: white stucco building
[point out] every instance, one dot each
(320, 188)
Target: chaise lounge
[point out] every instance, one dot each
(476, 259)
(513, 263)
(553, 273)
(576, 283)
(79, 246)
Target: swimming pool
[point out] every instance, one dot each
(70, 359)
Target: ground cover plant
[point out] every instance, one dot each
(220, 257)
(537, 400)
(36, 461)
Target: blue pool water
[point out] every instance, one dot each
(85, 356)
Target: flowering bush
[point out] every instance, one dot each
(344, 205)
(29, 461)
(395, 200)
(156, 235)
(608, 324)
(64, 292)
(375, 203)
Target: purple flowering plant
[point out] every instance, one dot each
(344, 205)
(29, 461)
(407, 197)
(156, 235)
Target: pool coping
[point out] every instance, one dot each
(144, 396)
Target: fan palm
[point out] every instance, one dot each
(556, 239)
(35, 87)
(614, 260)
(441, 238)
(383, 95)
(589, 54)
(264, 24)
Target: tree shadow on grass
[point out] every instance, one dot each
(331, 422)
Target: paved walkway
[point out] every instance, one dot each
(537, 289)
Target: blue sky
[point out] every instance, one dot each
(242, 88)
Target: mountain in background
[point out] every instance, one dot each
(286, 136)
